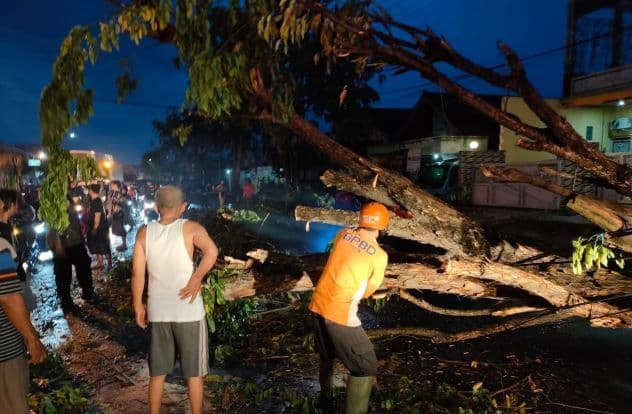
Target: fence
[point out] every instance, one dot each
(488, 192)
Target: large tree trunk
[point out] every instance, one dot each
(435, 222)
(465, 278)
(438, 223)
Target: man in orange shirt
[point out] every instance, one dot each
(354, 271)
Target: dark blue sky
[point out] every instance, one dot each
(31, 30)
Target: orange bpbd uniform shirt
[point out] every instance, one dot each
(354, 271)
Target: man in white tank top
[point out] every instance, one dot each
(175, 312)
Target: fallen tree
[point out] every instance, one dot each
(237, 71)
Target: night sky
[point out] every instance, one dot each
(31, 31)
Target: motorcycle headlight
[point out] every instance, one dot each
(40, 228)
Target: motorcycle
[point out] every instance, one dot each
(149, 209)
(29, 235)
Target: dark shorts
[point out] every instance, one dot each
(99, 243)
(189, 340)
(349, 344)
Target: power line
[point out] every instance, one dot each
(421, 87)
(399, 92)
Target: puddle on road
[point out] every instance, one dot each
(48, 318)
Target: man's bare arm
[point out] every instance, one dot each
(139, 264)
(15, 309)
(205, 244)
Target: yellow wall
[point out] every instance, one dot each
(598, 117)
(508, 138)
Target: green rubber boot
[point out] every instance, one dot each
(358, 394)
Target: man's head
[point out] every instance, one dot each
(170, 200)
(115, 185)
(9, 203)
(373, 216)
(94, 189)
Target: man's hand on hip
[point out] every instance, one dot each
(192, 289)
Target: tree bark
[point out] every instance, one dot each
(596, 211)
(443, 226)
(500, 327)
(456, 277)
(399, 227)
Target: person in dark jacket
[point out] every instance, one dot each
(69, 250)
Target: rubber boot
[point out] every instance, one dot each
(326, 380)
(358, 394)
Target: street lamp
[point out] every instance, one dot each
(106, 166)
(41, 155)
(72, 135)
(228, 171)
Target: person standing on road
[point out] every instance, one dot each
(354, 270)
(116, 214)
(98, 236)
(175, 312)
(19, 342)
(220, 189)
(69, 250)
(249, 191)
(10, 202)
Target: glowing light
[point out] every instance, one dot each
(473, 145)
(435, 156)
(40, 228)
(73, 135)
(228, 171)
(41, 155)
(107, 164)
(45, 256)
(621, 102)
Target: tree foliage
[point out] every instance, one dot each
(225, 59)
(65, 103)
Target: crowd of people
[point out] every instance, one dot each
(173, 313)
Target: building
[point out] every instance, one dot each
(598, 71)
(437, 128)
(606, 126)
(598, 67)
(597, 99)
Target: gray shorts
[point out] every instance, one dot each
(14, 385)
(189, 340)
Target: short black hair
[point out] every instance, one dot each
(95, 188)
(9, 197)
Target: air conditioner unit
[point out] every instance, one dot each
(620, 128)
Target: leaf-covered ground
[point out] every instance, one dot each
(264, 362)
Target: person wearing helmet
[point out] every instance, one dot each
(354, 271)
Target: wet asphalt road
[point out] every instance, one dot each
(48, 317)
